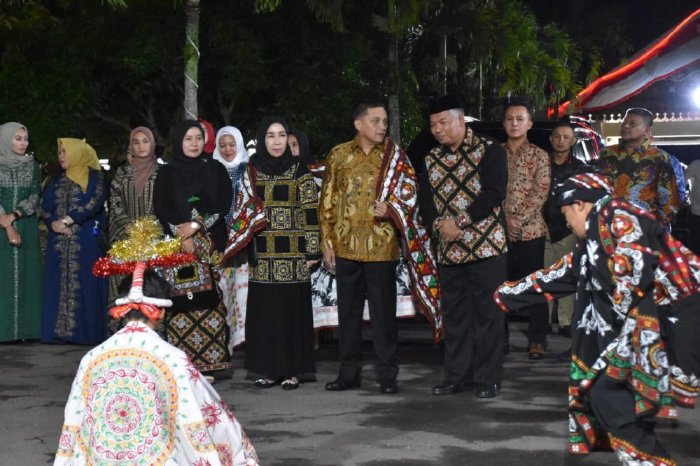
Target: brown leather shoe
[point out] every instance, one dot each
(536, 351)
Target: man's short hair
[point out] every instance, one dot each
(362, 108)
(518, 101)
(642, 112)
(564, 124)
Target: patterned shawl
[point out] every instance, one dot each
(397, 186)
(248, 216)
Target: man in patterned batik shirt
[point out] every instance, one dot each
(462, 185)
(359, 242)
(641, 173)
(138, 400)
(635, 356)
(528, 187)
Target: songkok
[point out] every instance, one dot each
(444, 103)
(587, 187)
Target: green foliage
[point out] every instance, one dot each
(96, 69)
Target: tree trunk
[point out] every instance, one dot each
(395, 85)
(191, 56)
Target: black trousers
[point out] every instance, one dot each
(525, 257)
(473, 323)
(375, 281)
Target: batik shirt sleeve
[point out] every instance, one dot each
(328, 204)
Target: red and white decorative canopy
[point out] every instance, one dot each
(675, 50)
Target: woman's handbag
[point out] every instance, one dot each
(192, 287)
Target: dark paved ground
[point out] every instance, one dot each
(525, 426)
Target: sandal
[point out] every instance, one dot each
(291, 383)
(266, 383)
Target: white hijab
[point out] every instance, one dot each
(241, 153)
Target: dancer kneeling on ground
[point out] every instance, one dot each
(634, 329)
(139, 399)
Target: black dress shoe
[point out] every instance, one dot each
(338, 385)
(389, 388)
(487, 391)
(266, 383)
(448, 388)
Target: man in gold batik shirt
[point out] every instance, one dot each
(359, 241)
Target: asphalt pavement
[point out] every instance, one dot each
(525, 426)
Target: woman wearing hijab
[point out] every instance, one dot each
(191, 197)
(131, 190)
(75, 301)
(279, 325)
(20, 267)
(231, 152)
(300, 147)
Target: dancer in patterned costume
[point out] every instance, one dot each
(138, 400)
(635, 355)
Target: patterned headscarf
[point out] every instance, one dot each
(587, 187)
(241, 153)
(81, 158)
(8, 158)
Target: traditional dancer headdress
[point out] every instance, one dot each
(145, 248)
(587, 187)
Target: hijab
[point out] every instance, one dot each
(262, 160)
(81, 158)
(180, 160)
(304, 147)
(211, 142)
(241, 153)
(189, 175)
(8, 158)
(143, 167)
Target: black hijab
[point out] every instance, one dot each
(304, 147)
(189, 174)
(180, 160)
(262, 160)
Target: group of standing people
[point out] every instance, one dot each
(479, 213)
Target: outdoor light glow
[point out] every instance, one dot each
(696, 96)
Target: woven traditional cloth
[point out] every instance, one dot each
(397, 186)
